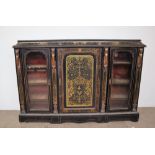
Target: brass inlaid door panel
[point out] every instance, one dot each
(79, 79)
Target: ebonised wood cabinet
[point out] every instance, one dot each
(78, 80)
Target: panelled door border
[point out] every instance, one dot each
(61, 54)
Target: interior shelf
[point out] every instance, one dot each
(119, 96)
(35, 101)
(121, 62)
(119, 108)
(120, 81)
(37, 82)
(39, 96)
(36, 66)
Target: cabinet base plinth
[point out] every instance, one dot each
(78, 117)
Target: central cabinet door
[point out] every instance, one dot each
(79, 79)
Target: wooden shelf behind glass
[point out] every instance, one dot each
(120, 81)
(38, 82)
(121, 63)
(37, 77)
(38, 96)
(36, 66)
(119, 96)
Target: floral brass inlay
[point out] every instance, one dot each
(79, 80)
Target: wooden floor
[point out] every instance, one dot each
(9, 119)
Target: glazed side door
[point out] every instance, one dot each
(37, 79)
(79, 72)
(121, 79)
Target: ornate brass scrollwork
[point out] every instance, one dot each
(106, 58)
(140, 56)
(54, 84)
(104, 81)
(53, 60)
(17, 59)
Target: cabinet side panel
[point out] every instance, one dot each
(20, 81)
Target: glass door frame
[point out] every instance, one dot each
(46, 53)
(132, 51)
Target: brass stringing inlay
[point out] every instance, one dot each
(79, 80)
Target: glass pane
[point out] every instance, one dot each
(120, 84)
(38, 89)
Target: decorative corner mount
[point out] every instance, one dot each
(106, 57)
(140, 57)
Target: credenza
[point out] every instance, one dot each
(78, 80)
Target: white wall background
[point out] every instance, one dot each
(10, 35)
